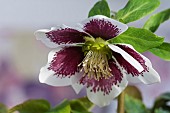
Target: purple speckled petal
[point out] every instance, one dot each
(127, 65)
(65, 62)
(104, 27)
(102, 100)
(149, 75)
(62, 67)
(47, 76)
(116, 72)
(60, 35)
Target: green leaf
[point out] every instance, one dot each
(141, 39)
(82, 105)
(73, 111)
(32, 106)
(133, 105)
(136, 9)
(100, 8)
(3, 108)
(161, 111)
(154, 21)
(162, 51)
(64, 107)
(134, 92)
(161, 102)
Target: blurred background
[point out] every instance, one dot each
(22, 56)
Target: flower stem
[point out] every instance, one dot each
(121, 99)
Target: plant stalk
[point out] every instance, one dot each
(121, 103)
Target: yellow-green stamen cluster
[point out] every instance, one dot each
(95, 63)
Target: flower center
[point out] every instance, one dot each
(95, 63)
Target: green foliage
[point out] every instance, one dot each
(84, 105)
(141, 39)
(79, 112)
(161, 111)
(161, 103)
(155, 20)
(80, 105)
(136, 9)
(32, 106)
(100, 8)
(133, 105)
(3, 108)
(64, 107)
(163, 51)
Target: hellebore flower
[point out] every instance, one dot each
(84, 57)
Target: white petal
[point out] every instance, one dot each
(41, 35)
(102, 100)
(119, 25)
(77, 77)
(77, 87)
(48, 77)
(127, 57)
(75, 82)
(149, 77)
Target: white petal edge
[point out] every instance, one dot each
(77, 87)
(103, 100)
(48, 77)
(41, 35)
(148, 77)
(77, 77)
(120, 25)
(127, 57)
(75, 82)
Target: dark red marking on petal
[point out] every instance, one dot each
(66, 36)
(126, 65)
(101, 28)
(65, 62)
(103, 84)
(116, 72)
